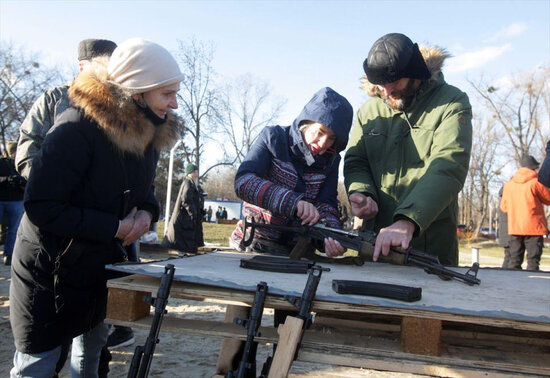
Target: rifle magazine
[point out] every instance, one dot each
(378, 289)
(277, 264)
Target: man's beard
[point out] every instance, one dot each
(406, 96)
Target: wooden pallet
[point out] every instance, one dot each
(361, 336)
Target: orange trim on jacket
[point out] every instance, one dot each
(522, 199)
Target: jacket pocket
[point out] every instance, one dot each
(79, 276)
(375, 144)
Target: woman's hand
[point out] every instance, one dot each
(126, 225)
(142, 222)
(307, 212)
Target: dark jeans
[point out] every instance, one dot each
(518, 246)
(12, 210)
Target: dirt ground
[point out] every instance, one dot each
(177, 354)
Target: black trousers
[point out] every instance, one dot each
(506, 260)
(518, 246)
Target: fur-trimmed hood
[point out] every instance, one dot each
(433, 56)
(114, 110)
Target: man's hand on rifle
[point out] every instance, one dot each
(307, 212)
(398, 234)
(125, 225)
(362, 206)
(142, 222)
(333, 248)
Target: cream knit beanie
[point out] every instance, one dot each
(140, 66)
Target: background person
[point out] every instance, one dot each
(409, 150)
(209, 214)
(544, 172)
(522, 200)
(502, 235)
(107, 145)
(12, 188)
(184, 231)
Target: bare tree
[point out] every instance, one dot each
(221, 184)
(197, 96)
(161, 179)
(483, 175)
(22, 80)
(247, 107)
(521, 109)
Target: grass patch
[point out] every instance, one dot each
(217, 233)
(213, 233)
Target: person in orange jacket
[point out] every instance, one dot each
(522, 199)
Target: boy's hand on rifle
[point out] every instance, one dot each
(125, 225)
(333, 248)
(398, 234)
(142, 221)
(362, 206)
(307, 212)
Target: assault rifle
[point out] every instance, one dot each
(363, 243)
(292, 330)
(247, 366)
(143, 355)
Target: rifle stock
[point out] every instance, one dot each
(292, 331)
(247, 365)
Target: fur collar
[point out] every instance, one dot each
(433, 56)
(113, 109)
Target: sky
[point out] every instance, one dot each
(297, 46)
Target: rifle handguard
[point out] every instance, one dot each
(367, 251)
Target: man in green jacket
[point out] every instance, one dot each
(409, 150)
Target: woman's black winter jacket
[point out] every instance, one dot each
(98, 149)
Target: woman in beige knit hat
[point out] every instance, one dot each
(89, 196)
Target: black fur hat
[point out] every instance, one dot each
(529, 161)
(393, 57)
(91, 48)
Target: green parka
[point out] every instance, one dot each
(414, 167)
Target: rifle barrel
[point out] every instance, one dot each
(440, 270)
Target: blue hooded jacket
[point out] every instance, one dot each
(279, 170)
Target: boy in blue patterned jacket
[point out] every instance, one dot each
(290, 175)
